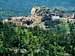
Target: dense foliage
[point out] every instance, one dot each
(58, 40)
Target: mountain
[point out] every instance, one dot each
(23, 7)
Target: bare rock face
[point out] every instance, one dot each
(36, 9)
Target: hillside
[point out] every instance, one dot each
(26, 5)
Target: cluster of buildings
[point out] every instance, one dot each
(35, 19)
(28, 21)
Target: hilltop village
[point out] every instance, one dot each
(39, 15)
(46, 32)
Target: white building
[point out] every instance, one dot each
(5, 20)
(55, 17)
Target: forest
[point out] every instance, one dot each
(58, 40)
